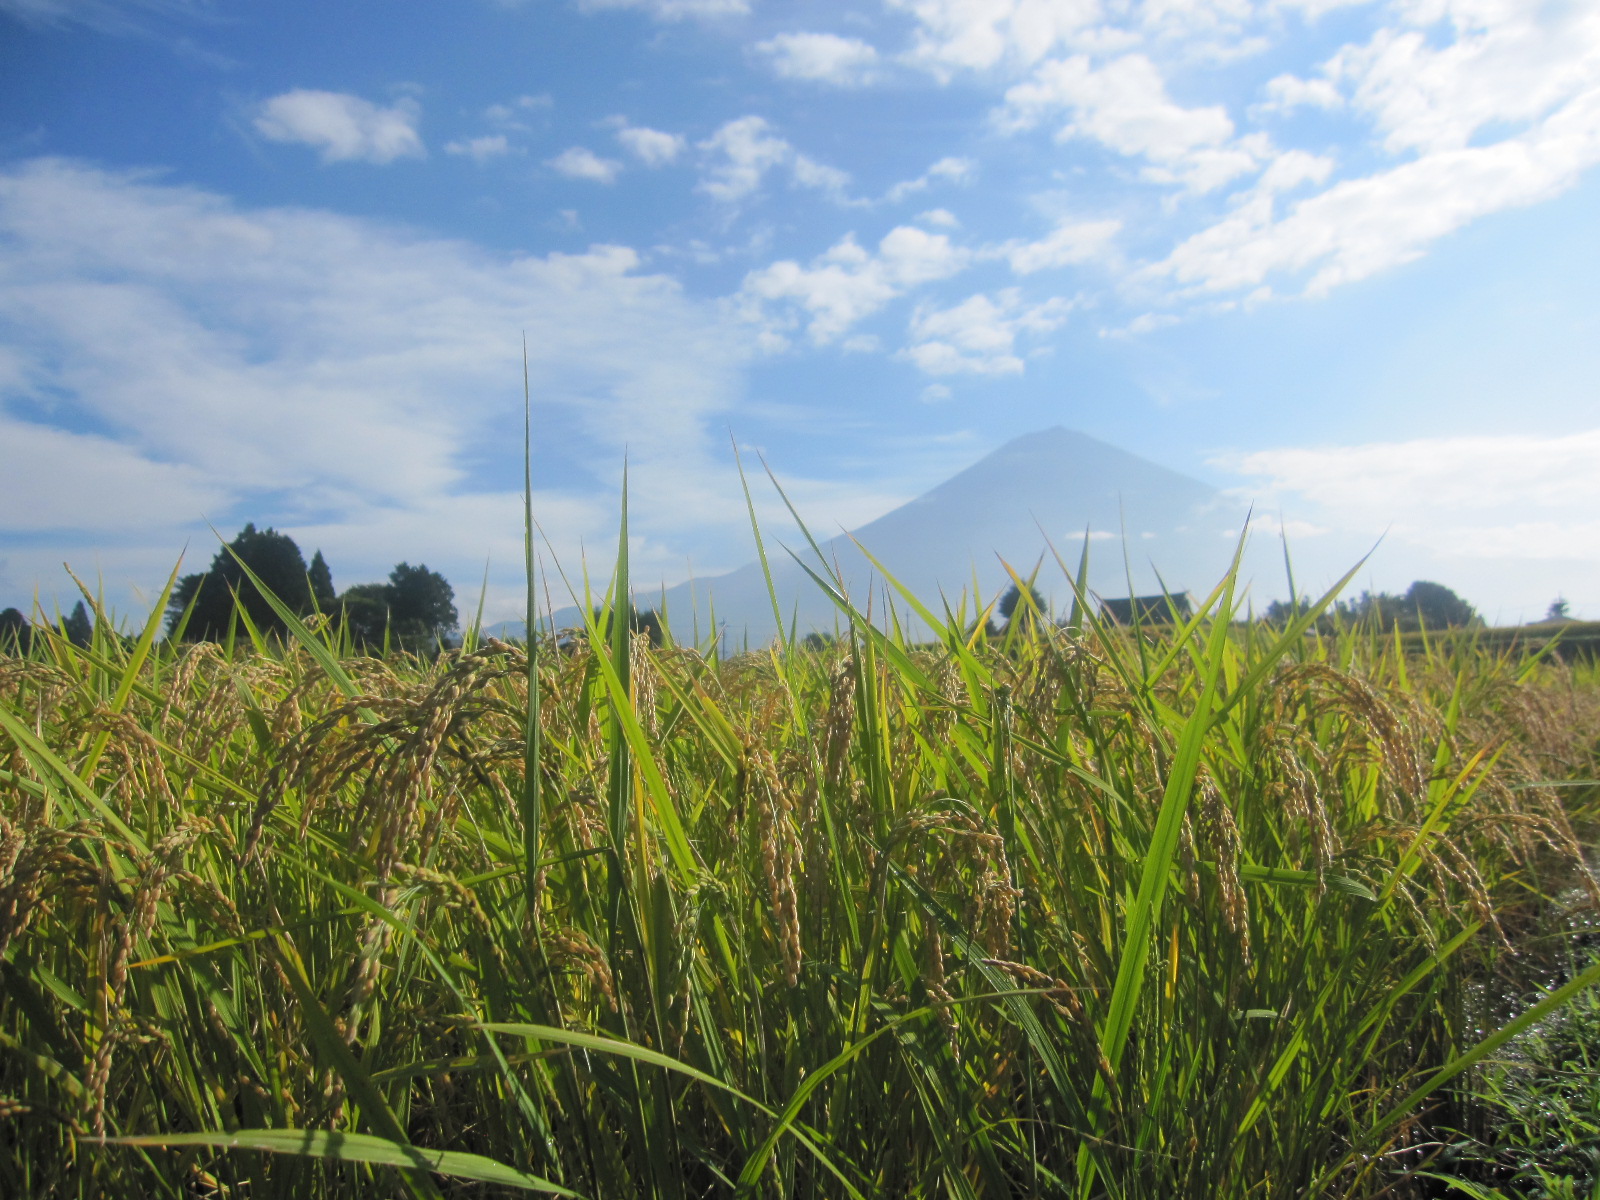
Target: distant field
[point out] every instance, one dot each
(1566, 639)
(1221, 911)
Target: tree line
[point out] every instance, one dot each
(1423, 605)
(414, 609)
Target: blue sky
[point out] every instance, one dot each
(275, 263)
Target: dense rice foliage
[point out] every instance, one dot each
(1075, 912)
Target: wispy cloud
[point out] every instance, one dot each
(341, 127)
(979, 335)
(1124, 105)
(848, 283)
(323, 372)
(481, 149)
(950, 169)
(1068, 244)
(1358, 227)
(821, 58)
(1516, 496)
(107, 16)
(742, 152)
(1476, 106)
(577, 162)
(652, 147)
(676, 10)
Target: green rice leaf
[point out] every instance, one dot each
(357, 1148)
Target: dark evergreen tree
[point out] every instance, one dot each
(321, 581)
(1559, 610)
(16, 635)
(78, 627)
(276, 561)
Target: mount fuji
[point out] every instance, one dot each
(1147, 526)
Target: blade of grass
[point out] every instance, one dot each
(332, 1146)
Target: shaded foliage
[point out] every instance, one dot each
(209, 596)
(15, 632)
(365, 608)
(1423, 605)
(78, 627)
(321, 580)
(414, 610)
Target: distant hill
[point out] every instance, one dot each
(1055, 483)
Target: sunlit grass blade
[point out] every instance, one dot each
(336, 1147)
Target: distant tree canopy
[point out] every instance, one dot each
(365, 607)
(16, 635)
(1423, 605)
(275, 560)
(1559, 610)
(1011, 603)
(321, 581)
(78, 626)
(642, 620)
(414, 610)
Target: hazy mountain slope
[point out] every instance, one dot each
(1054, 483)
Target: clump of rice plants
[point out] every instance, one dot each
(1090, 912)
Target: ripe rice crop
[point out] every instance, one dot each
(1076, 911)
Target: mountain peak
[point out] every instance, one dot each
(1040, 490)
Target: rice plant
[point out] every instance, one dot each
(1079, 911)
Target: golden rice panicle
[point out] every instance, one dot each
(780, 851)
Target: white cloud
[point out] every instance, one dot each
(1507, 63)
(56, 480)
(107, 16)
(941, 217)
(1294, 168)
(481, 149)
(1124, 106)
(652, 147)
(1358, 227)
(979, 335)
(742, 152)
(812, 174)
(318, 371)
(978, 35)
(849, 283)
(575, 162)
(821, 58)
(953, 169)
(1285, 93)
(1525, 497)
(343, 128)
(675, 10)
(1068, 244)
(512, 115)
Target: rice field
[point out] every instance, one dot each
(1077, 911)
